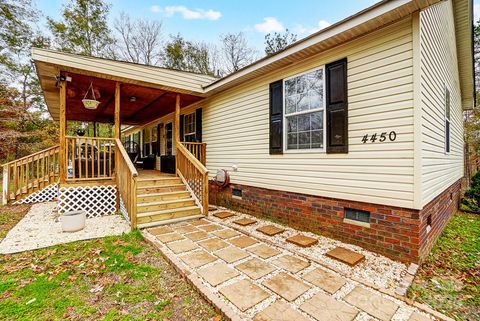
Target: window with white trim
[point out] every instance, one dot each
(189, 128)
(447, 120)
(304, 101)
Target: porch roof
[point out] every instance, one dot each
(154, 88)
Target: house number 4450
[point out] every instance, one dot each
(380, 138)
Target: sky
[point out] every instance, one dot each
(206, 20)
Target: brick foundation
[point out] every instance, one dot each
(399, 233)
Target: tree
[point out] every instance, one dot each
(83, 29)
(236, 52)
(185, 55)
(22, 130)
(140, 40)
(278, 41)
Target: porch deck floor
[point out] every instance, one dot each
(152, 173)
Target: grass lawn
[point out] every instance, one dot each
(9, 217)
(449, 279)
(114, 278)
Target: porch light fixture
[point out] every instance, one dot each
(132, 99)
(90, 103)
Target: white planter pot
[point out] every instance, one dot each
(73, 221)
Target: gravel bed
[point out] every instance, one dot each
(376, 269)
(41, 228)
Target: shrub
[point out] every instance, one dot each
(471, 199)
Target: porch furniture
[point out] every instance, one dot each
(133, 150)
(149, 162)
(167, 164)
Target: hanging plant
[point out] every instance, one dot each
(90, 103)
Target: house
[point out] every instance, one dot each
(355, 132)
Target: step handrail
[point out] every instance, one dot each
(194, 174)
(126, 179)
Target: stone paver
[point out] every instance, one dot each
(199, 222)
(345, 256)
(210, 227)
(286, 286)
(213, 244)
(372, 303)
(244, 294)
(185, 229)
(223, 214)
(231, 254)
(279, 311)
(255, 268)
(323, 307)
(245, 221)
(217, 273)
(226, 234)
(302, 240)
(418, 317)
(197, 259)
(166, 238)
(270, 230)
(263, 251)
(242, 241)
(197, 236)
(182, 246)
(325, 280)
(160, 230)
(291, 263)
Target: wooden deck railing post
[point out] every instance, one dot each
(5, 185)
(63, 127)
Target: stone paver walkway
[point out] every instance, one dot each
(40, 228)
(251, 279)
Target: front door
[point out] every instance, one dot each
(168, 160)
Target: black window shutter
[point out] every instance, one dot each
(276, 117)
(198, 125)
(182, 122)
(337, 107)
(158, 139)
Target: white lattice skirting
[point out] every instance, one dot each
(123, 209)
(96, 201)
(47, 194)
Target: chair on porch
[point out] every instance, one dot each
(133, 150)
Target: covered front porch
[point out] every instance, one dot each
(126, 164)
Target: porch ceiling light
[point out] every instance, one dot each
(133, 99)
(89, 103)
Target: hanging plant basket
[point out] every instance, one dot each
(89, 103)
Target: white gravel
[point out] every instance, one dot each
(40, 228)
(376, 269)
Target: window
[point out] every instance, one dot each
(447, 120)
(237, 193)
(189, 128)
(357, 215)
(305, 111)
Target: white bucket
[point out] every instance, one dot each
(73, 221)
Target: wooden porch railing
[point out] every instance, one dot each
(89, 158)
(28, 174)
(194, 174)
(198, 150)
(127, 182)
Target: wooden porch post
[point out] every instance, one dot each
(177, 127)
(117, 110)
(63, 129)
(117, 135)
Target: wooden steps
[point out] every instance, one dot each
(163, 199)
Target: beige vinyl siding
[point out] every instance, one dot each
(439, 68)
(380, 94)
